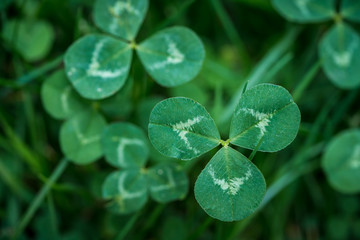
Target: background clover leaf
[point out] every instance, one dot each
(172, 56)
(80, 137)
(125, 145)
(230, 187)
(167, 182)
(182, 128)
(340, 52)
(34, 38)
(126, 191)
(305, 11)
(266, 116)
(121, 18)
(350, 9)
(59, 98)
(98, 65)
(341, 161)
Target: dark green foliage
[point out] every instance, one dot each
(59, 178)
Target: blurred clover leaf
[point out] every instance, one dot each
(340, 52)
(61, 101)
(305, 11)
(80, 137)
(98, 65)
(339, 48)
(125, 146)
(230, 187)
(341, 161)
(33, 39)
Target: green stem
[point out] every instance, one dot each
(279, 65)
(306, 80)
(13, 183)
(252, 155)
(320, 121)
(31, 121)
(52, 215)
(340, 112)
(245, 87)
(125, 230)
(175, 16)
(20, 147)
(275, 188)
(200, 230)
(231, 32)
(40, 197)
(261, 69)
(286, 179)
(21, 81)
(152, 219)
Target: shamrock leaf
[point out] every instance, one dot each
(230, 187)
(305, 11)
(341, 161)
(266, 115)
(340, 52)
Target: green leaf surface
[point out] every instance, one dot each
(122, 18)
(172, 56)
(59, 98)
(341, 161)
(126, 190)
(230, 187)
(182, 128)
(125, 145)
(340, 52)
(32, 39)
(305, 11)
(266, 115)
(80, 137)
(350, 9)
(98, 65)
(167, 182)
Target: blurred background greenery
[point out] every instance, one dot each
(244, 39)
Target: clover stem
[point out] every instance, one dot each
(143, 170)
(252, 155)
(245, 86)
(232, 33)
(122, 234)
(95, 105)
(225, 143)
(338, 18)
(306, 80)
(133, 44)
(38, 72)
(40, 197)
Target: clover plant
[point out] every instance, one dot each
(125, 147)
(61, 100)
(98, 64)
(341, 161)
(230, 187)
(339, 48)
(33, 39)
